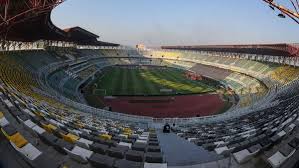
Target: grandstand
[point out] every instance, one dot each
(243, 112)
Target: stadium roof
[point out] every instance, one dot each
(84, 37)
(15, 11)
(287, 50)
(29, 20)
(33, 29)
(80, 33)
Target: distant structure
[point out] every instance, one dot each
(140, 46)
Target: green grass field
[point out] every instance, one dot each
(127, 81)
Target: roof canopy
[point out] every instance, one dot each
(83, 37)
(15, 11)
(29, 20)
(33, 29)
(80, 34)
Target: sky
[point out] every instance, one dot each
(178, 22)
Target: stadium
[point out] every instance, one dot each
(68, 100)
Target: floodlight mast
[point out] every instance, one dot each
(293, 14)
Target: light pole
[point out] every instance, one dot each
(285, 11)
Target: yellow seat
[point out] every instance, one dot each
(39, 114)
(18, 140)
(79, 125)
(151, 130)
(127, 131)
(50, 128)
(1, 115)
(70, 138)
(105, 137)
(22, 102)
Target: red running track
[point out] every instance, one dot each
(167, 107)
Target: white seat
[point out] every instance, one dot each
(76, 157)
(145, 134)
(55, 123)
(21, 119)
(84, 142)
(140, 130)
(274, 129)
(245, 136)
(86, 131)
(3, 122)
(29, 112)
(265, 128)
(8, 104)
(141, 141)
(80, 154)
(292, 126)
(282, 133)
(29, 151)
(278, 159)
(220, 150)
(44, 112)
(123, 136)
(76, 132)
(219, 143)
(286, 122)
(125, 144)
(243, 156)
(143, 138)
(29, 124)
(191, 139)
(38, 129)
(155, 165)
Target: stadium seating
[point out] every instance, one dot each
(82, 142)
(247, 136)
(249, 67)
(33, 114)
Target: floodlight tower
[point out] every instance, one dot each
(284, 10)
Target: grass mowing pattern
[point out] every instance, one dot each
(148, 81)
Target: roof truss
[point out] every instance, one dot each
(12, 11)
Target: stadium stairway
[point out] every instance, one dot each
(179, 152)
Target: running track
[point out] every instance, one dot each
(163, 107)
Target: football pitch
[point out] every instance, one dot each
(117, 81)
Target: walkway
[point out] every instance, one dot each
(180, 152)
